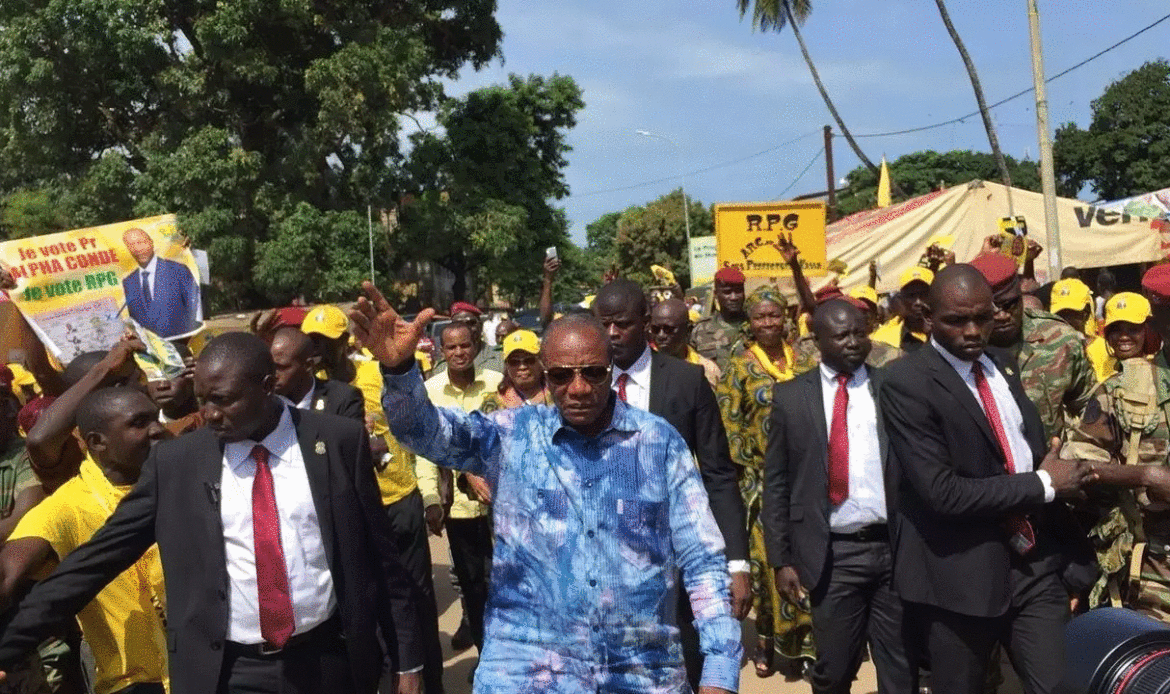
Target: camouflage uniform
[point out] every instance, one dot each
(1138, 400)
(1054, 369)
(715, 338)
(807, 356)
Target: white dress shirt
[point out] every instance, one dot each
(152, 270)
(866, 503)
(1009, 411)
(638, 385)
(309, 579)
(306, 402)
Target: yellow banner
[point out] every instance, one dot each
(77, 288)
(748, 237)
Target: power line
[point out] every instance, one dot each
(802, 173)
(696, 172)
(1017, 95)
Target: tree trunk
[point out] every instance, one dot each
(825, 94)
(988, 124)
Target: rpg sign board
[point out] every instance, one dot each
(748, 236)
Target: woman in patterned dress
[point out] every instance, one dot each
(745, 400)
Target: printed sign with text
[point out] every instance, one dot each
(748, 237)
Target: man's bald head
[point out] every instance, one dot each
(240, 350)
(292, 341)
(670, 324)
(619, 295)
(957, 280)
(834, 312)
(674, 310)
(573, 326)
(842, 334)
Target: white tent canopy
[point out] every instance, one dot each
(961, 217)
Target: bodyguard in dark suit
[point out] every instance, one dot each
(280, 571)
(162, 295)
(296, 363)
(981, 547)
(827, 502)
(679, 393)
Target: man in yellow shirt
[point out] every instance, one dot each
(328, 327)
(124, 624)
(908, 330)
(468, 522)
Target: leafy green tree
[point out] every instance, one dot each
(655, 234)
(485, 185)
(601, 238)
(919, 173)
(262, 123)
(1126, 149)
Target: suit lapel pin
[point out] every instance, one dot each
(1010, 372)
(320, 405)
(319, 449)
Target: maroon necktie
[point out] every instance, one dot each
(839, 443)
(623, 379)
(276, 611)
(1023, 537)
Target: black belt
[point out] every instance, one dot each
(329, 628)
(870, 533)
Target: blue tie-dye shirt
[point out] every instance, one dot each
(590, 536)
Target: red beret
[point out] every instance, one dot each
(291, 315)
(464, 307)
(827, 293)
(863, 305)
(31, 412)
(1156, 282)
(997, 269)
(729, 275)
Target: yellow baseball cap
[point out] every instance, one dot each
(327, 320)
(1128, 307)
(865, 293)
(1070, 295)
(524, 340)
(916, 274)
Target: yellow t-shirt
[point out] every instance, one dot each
(1104, 363)
(121, 624)
(443, 394)
(395, 476)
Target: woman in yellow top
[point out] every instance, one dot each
(523, 382)
(745, 401)
(1127, 334)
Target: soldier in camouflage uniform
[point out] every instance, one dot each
(716, 336)
(1055, 372)
(1127, 430)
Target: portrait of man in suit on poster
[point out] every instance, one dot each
(161, 294)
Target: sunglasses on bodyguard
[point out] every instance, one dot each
(594, 374)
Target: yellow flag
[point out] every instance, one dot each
(883, 191)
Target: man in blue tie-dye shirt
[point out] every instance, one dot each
(597, 506)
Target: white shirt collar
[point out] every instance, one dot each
(961, 366)
(306, 402)
(278, 441)
(829, 375)
(639, 371)
(151, 266)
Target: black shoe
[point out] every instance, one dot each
(461, 639)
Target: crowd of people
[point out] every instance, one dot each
(925, 479)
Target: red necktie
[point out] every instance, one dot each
(1023, 537)
(623, 379)
(276, 611)
(839, 443)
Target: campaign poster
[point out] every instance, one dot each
(748, 237)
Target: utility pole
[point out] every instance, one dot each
(1047, 175)
(370, 232)
(832, 180)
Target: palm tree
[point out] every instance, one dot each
(774, 15)
(988, 124)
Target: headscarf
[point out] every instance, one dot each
(765, 293)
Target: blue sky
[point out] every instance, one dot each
(691, 71)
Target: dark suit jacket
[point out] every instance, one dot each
(680, 394)
(174, 308)
(955, 495)
(796, 481)
(176, 503)
(341, 399)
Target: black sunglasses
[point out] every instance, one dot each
(661, 328)
(594, 374)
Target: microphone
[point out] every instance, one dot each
(212, 493)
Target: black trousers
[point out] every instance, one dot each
(1032, 634)
(320, 664)
(853, 604)
(471, 557)
(410, 535)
